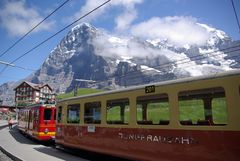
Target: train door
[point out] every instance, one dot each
(30, 125)
(28, 119)
(49, 121)
(36, 119)
(54, 114)
(25, 120)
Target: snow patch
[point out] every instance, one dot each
(117, 40)
(146, 68)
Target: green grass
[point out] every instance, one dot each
(189, 110)
(81, 91)
(155, 112)
(219, 111)
(114, 114)
(194, 110)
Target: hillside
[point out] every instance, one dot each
(81, 91)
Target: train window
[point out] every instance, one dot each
(153, 109)
(118, 111)
(36, 115)
(26, 118)
(32, 116)
(219, 111)
(92, 113)
(203, 107)
(59, 114)
(47, 114)
(73, 113)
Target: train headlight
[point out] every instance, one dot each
(46, 131)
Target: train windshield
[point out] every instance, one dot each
(47, 114)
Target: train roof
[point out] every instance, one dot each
(169, 82)
(43, 104)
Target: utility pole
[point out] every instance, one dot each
(81, 80)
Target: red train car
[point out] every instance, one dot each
(195, 119)
(38, 121)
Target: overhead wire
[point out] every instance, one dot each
(44, 41)
(235, 13)
(16, 66)
(21, 38)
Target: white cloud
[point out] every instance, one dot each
(123, 21)
(177, 30)
(18, 19)
(108, 46)
(89, 5)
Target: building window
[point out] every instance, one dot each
(92, 113)
(73, 113)
(118, 111)
(203, 107)
(153, 109)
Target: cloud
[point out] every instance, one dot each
(178, 30)
(109, 46)
(89, 5)
(123, 20)
(18, 19)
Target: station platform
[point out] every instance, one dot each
(3, 123)
(23, 149)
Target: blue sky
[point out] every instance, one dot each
(121, 17)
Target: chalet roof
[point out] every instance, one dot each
(34, 85)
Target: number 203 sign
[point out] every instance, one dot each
(150, 89)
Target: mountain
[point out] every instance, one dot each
(114, 62)
(7, 93)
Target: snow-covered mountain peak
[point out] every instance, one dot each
(217, 37)
(82, 26)
(219, 33)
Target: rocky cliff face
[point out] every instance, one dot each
(7, 93)
(89, 53)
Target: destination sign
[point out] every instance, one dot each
(150, 89)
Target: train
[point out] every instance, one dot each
(38, 121)
(186, 119)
